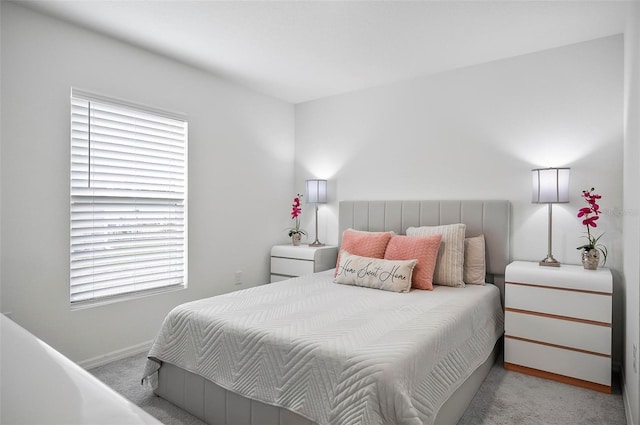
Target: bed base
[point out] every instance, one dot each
(216, 405)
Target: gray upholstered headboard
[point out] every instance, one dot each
(491, 218)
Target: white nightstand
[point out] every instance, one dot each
(290, 261)
(558, 323)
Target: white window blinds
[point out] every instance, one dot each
(128, 199)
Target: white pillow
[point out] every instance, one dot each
(388, 275)
(475, 268)
(450, 261)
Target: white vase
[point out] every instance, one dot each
(295, 239)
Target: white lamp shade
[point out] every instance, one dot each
(316, 191)
(550, 185)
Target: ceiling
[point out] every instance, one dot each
(304, 50)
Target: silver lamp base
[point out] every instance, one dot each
(549, 261)
(316, 242)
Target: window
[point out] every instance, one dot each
(128, 199)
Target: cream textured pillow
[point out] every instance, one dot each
(375, 273)
(450, 262)
(422, 248)
(475, 269)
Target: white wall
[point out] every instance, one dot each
(476, 133)
(241, 169)
(631, 216)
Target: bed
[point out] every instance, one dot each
(307, 350)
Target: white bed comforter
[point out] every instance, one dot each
(336, 354)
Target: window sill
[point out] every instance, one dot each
(81, 305)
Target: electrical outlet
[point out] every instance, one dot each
(635, 358)
(237, 277)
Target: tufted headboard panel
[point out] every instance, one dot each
(491, 218)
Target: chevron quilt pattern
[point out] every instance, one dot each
(333, 353)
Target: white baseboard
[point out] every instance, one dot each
(115, 355)
(625, 399)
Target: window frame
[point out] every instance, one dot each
(169, 201)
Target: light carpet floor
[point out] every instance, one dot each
(505, 398)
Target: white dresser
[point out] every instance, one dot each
(290, 261)
(558, 323)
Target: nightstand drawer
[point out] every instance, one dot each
(291, 267)
(565, 333)
(561, 302)
(278, 278)
(560, 361)
(292, 261)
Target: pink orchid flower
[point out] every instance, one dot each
(591, 214)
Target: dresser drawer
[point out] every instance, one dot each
(561, 302)
(565, 333)
(560, 361)
(291, 267)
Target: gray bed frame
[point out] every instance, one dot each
(215, 405)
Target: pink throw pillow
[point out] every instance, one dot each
(422, 248)
(364, 244)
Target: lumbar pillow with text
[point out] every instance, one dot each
(388, 275)
(450, 262)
